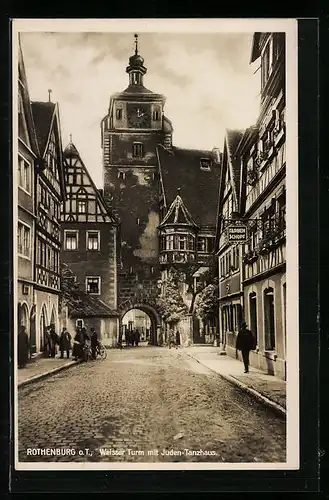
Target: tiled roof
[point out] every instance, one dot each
(42, 114)
(87, 306)
(181, 168)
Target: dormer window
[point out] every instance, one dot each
(205, 164)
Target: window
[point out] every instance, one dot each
(170, 242)
(119, 113)
(202, 245)
(71, 240)
(23, 239)
(191, 242)
(121, 175)
(82, 205)
(93, 240)
(182, 242)
(24, 174)
(211, 244)
(93, 285)
(205, 164)
(138, 150)
(156, 115)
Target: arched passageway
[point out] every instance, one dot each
(141, 318)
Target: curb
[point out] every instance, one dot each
(41, 376)
(263, 399)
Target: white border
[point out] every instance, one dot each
(289, 26)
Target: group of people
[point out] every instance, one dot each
(132, 337)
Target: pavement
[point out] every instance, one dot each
(40, 367)
(266, 388)
(145, 404)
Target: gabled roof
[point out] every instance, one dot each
(43, 115)
(181, 168)
(255, 50)
(232, 140)
(27, 102)
(71, 152)
(178, 214)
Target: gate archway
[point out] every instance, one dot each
(151, 312)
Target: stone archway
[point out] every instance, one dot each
(152, 314)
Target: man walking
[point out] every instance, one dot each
(245, 342)
(94, 342)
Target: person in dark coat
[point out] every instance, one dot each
(245, 343)
(47, 347)
(127, 337)
(94, 342)
(54, 338)
(23, 346)
(65, 343)
(77, 351)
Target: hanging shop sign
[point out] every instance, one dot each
(237, 233)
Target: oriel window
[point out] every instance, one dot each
(170, 242)
(93, 284)
(93, 240)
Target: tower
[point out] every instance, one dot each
(130, 132)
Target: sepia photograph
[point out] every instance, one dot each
(155, 244)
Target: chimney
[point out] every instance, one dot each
(217, 155)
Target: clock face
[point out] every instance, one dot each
(139, 117)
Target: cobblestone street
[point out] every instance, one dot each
(143, 399)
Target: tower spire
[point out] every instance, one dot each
(136, 44)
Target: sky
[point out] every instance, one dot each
(207, 80)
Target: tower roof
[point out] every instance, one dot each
(70, 151)
(136, 62)
(178, 213)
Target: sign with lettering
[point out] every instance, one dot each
(237, 233)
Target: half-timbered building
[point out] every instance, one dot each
(28, 152)
(49, 193)
(90, 234)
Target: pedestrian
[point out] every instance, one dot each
(65, 343)
(94, 342)
(177, 338)
(54, 339)
(137, 337)
(127, 338)
(171, 338)
(23, 346)
(133, 337)
(47, 347)
(245, 343)
(77, 351)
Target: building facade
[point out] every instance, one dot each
(89, 249)
(262, 207)
(40, 192)
(26, 217)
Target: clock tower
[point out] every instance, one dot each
(133, 127)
